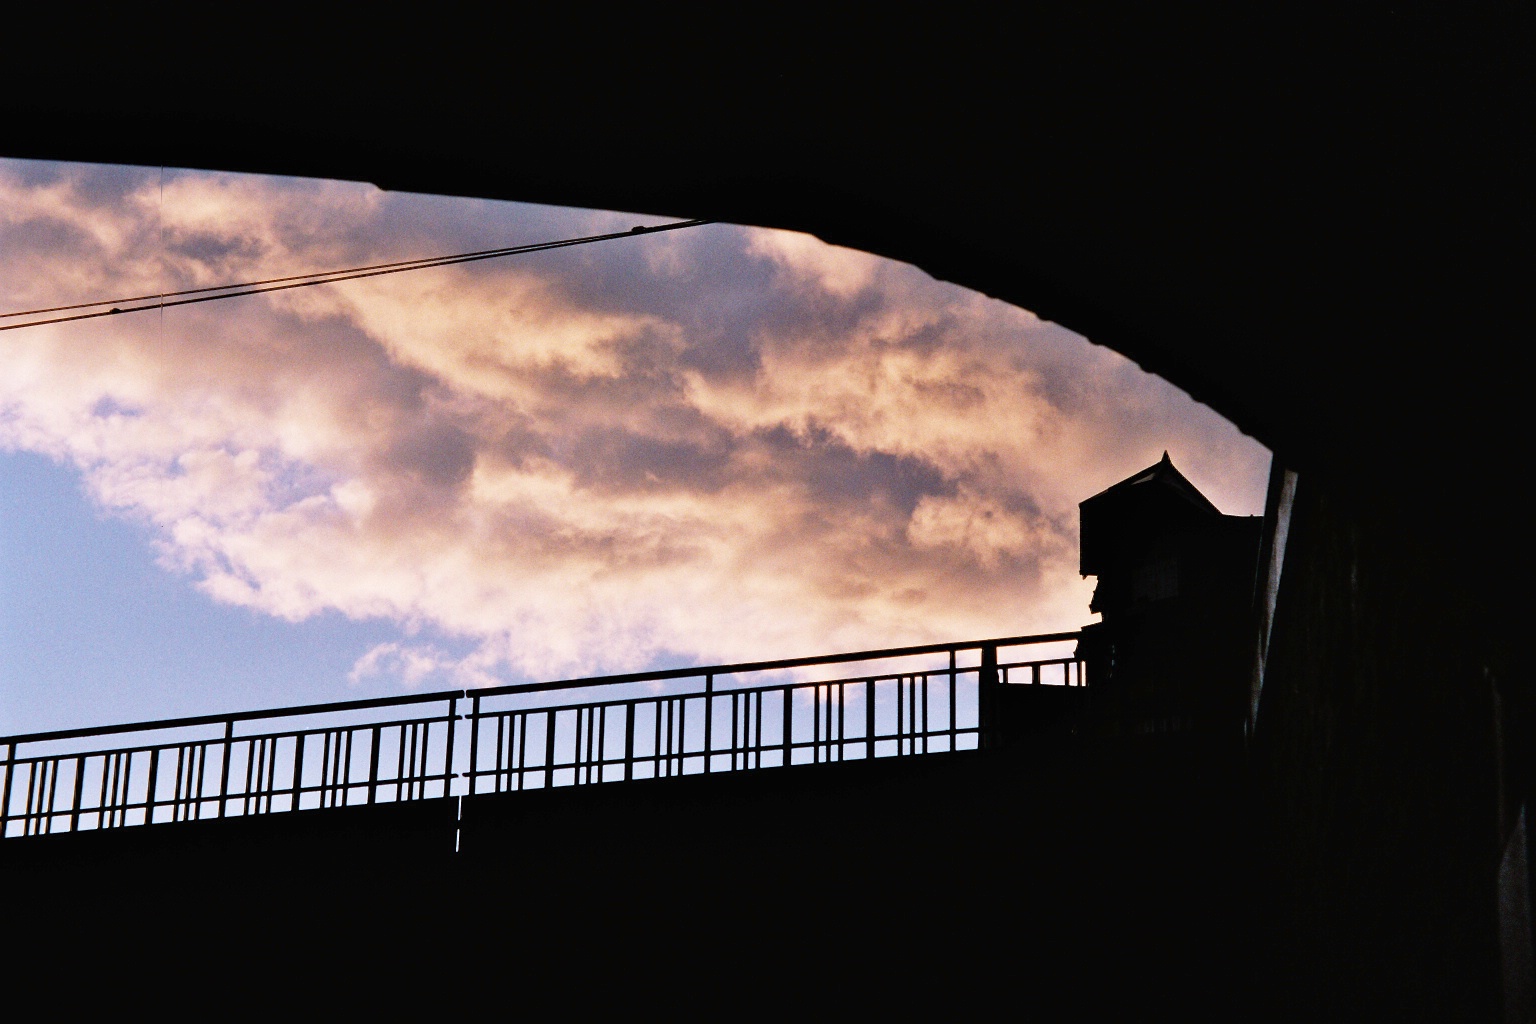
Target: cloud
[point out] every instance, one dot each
(715, 444)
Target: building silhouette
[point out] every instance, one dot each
(1176, 580)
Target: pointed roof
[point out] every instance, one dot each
(1161, 476)
(1120, 520)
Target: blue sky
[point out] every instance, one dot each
(93, 631)
(717, 444)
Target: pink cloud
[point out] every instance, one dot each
(719, 444)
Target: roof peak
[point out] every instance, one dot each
(1164, 472)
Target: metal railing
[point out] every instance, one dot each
(897, 702)
(219, 766)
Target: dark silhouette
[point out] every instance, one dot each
(1173, 650)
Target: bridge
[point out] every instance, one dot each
(906, 702)
(707, 827)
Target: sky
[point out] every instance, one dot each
(708, 445)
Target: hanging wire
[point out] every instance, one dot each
(211, 293)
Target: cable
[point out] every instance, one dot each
(278, 284)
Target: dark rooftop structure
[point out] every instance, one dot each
(1174, 648)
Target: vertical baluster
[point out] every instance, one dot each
(413, 766)
(503, 754)
(602, 741)
(869, 719)
(682, 734)
(346, 771)
(5, 789)
(266, 759)
(229, 742)
(46, 804)
(335, 794)
(522, 747)
(402, 766)
(28, 825)
(669, 736)
(202, 774)
(474, 748)
(298, 771)
(629, 740)
(53, 789)
(255, 786)
(656, 746)
(107, 761)
(105, 817)
(901, 704)
(758, 758)
(122, 811)
(327, 776)
(45, 771)
(270, 787)
(789, 747)
(46, 779)
(453, 718)
(549, 749)
(74, 808)
(734, 701)
(709, 721)
(154, 780)
(255, 750)
(595, 743)
(426, 761)
(912, 714)
(925, 712)
(815, 724)
(176, 797)
(108, 787)
(250, 766)
(842, 732)
(954, 738)
(578, 761)
(373, 765)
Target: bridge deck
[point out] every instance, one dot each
(863, 705)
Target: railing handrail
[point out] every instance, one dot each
(238, 716)
(11, 742)
(764, 666)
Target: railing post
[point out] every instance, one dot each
(629, 741)
(789, 725)
(869, 719)
(549, 750)
(373, 765)
(229, 747)
(474, 726)
(149, 794)
(986, 697)
(74, 807)
(298, 770)
(474, 744)
(709, 722)
(954, 728)
(5, 789)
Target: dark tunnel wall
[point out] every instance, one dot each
(1315, 220)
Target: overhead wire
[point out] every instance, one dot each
(211, 293)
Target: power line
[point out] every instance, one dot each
(190, 296)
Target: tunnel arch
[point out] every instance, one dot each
(1309, 221)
